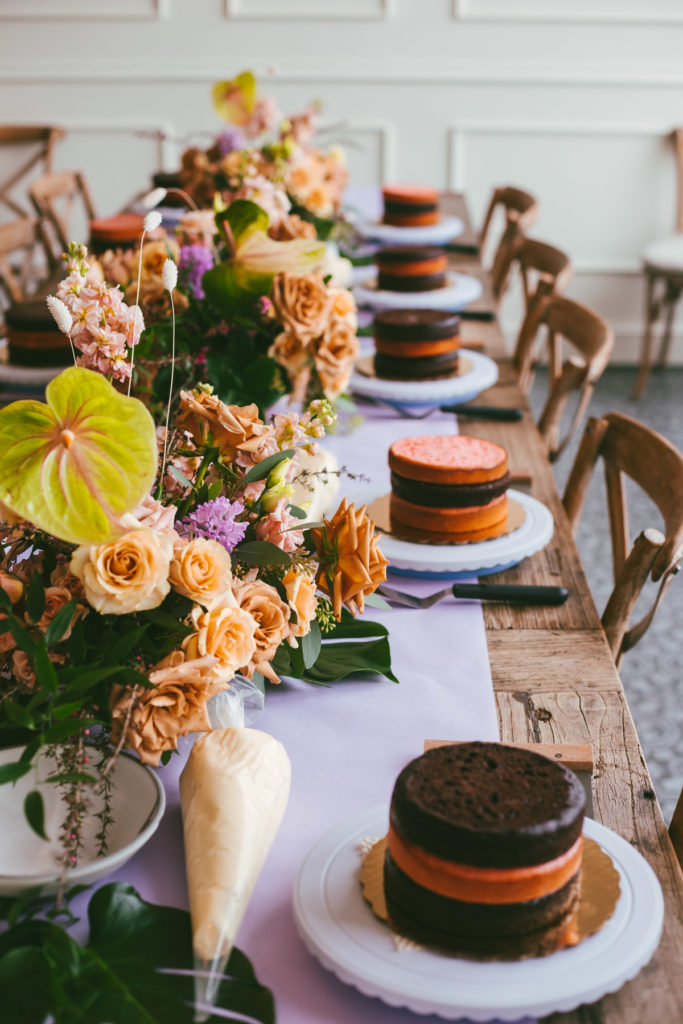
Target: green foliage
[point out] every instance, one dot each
(119, 976)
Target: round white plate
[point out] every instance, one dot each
(26, 861)
(458, 293)
(479, 558)
(461, 388)
(428, 234)
(340, 930)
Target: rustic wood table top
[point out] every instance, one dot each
(556, 682)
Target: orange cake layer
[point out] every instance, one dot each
(448, 459)
(483, 885)
(411, 220)
(449, 521)
(123, 227)
(410, 194)
(417, 348)
(418, 268)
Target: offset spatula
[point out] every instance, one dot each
(578, 757)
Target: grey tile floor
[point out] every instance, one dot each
(652, 673)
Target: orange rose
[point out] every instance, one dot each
(129, 574)
(289, 351)
(201, 570)
(302, 304)
(271, 615)
(300, 590)
(351, 564)
(335, 355)
(225, 631)
(232, 427)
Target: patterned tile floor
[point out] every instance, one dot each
(652, 673)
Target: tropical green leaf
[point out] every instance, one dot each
(34, 809)
(311, 644)
(60, 623)
(13, 771)
(46, 673)
(339, 660)
(18, 714)
(243, 215)
(232, 289)
(263, 468)
(35, 597)
(261, 552)
(75, 465)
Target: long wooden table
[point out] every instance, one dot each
(556, 682)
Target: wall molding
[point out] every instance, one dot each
(384, 130)
(156, 10)
(275, 10)
(161, 132)
(463, 10)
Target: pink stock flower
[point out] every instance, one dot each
(275, 528)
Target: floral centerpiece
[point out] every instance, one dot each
(270, 160)
(258, 318)
(142, 568)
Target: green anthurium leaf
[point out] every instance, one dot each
(261, 552)
(75, 465)
(338, 660)
(235, 99)
(243, 216)
(231, 289)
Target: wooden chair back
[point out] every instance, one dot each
(676, 829)
(677, 139)
(19, 242)
(545, 272)
(628, 448)
(55, 197)
(39, 141)
(521, 210)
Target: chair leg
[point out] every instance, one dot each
(673, 293)
(651, 312)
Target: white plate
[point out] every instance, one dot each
(442, 233)
(479, 558)
(138, 803)
(458, 293)
(340, 930)
(461, 388)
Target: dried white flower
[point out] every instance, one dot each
(152, 220)
(153, 198)
(61, 314)
(169, 275)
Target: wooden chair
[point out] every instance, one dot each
(40, 140)
(676, 829)
(55, 196)
(545, 272)
(663, 269)
(521, 210)
(630, 448)
(590, 339)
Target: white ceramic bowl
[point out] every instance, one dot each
(26, 861)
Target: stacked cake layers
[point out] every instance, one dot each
(123, 231)
(412, 344)
(411, 268)
(449, 487)
(410, 206)
(484, 851)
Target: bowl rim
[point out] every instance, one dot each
(111, 860)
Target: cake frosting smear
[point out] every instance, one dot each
(233, 794)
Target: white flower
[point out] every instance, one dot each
(153, 198)
(152, 220)
(169, 274)
(61, 314)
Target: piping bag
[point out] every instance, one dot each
(233, 795)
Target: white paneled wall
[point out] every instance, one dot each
(568, 98)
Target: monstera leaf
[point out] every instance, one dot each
(74, 466)
(236, 283)
(235, 99)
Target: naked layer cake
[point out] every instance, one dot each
(410, 206)
(122, 231)
(412, 344)
(411, 268)
(449, 487)
(484, 851)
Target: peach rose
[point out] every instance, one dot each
(232, 427)
(22, 670)
(201, 570)
(13, 587)
(272, 622)
(335, 355)
(225, 631)
(302, 304)
(319, 201)
(289, 351)
(155, 254)
(300, 590)
(152, 515)
(129, 574)
(343, 302)
(155, 718)
(55, 599)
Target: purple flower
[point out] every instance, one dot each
(229, 140)
(215, 520)
(194, 261)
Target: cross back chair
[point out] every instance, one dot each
(663, 268)
(39, 141)
(521, 210)
(629, 448)
(55, 197)
(19, 241)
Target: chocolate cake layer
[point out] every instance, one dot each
(415, 368)
(501, 931)
(488, 805)
(409, 253)
(415, 324)
(410, 283)
(408, 208)
(448, 495)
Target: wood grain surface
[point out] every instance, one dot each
(556, 682)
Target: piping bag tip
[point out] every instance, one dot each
(207, 980)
